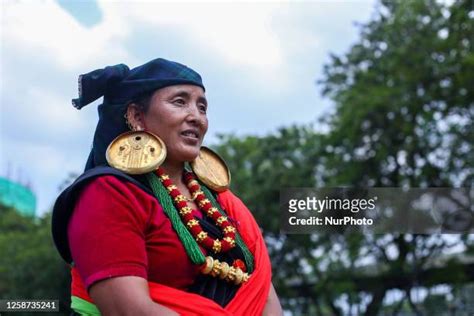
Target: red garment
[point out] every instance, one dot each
(251, 297)
(117, 230)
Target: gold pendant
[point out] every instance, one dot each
(222, 270)
(211, 169)
(136, 152)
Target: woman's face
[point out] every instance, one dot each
(177, 114)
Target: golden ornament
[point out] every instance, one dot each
(211, 169)
(136, 152)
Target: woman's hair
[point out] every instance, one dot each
(144, 101)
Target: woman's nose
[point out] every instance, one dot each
(194, 115)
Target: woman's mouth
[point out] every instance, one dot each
(190, 135)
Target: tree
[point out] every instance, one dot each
(404, 108)
(404, 98)
(404, 115)
(29, 265)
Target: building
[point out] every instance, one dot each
(17, 196)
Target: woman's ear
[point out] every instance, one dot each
(135, 117)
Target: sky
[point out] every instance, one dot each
(259, 61)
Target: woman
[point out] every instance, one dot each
(148, 241)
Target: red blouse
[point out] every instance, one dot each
(119, 230)
(249, 300)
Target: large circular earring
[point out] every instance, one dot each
(136, 152)
(211, 169)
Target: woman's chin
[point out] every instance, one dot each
(185, 156)
(192, 157)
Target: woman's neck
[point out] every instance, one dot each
(174, 171)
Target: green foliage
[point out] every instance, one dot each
(404, 99)
(262, 165)
(403, 117)
(30, 267)
(288, 158)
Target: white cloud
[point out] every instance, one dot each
(54, 111)
(240, 36)
(239, 32)
(43, 26)
(263, 59)
(45, 166)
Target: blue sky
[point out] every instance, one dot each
(259, 62)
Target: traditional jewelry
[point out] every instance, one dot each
(223, 271)
(190, 244)
(136, 152)
(191, 199)
(239, 264)
(127, 121)
(211, 169)
(179, 200)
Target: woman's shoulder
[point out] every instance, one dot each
(234, 206)
(227, 198)
(110, 183)
(106, 188)
(106, 179)
(109, 178)
(99, 198)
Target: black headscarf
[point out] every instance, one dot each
(119, 86)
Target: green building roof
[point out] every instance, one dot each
(17, 196)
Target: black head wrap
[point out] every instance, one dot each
(119, 86)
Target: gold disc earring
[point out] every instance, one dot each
(136, 152)
(211, 169)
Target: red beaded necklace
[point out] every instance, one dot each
(179, 200)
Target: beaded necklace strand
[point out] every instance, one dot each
(205, 206)
(248, 257)
(190, 244)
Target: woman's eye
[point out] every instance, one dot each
(179, 102)
(202, 108)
